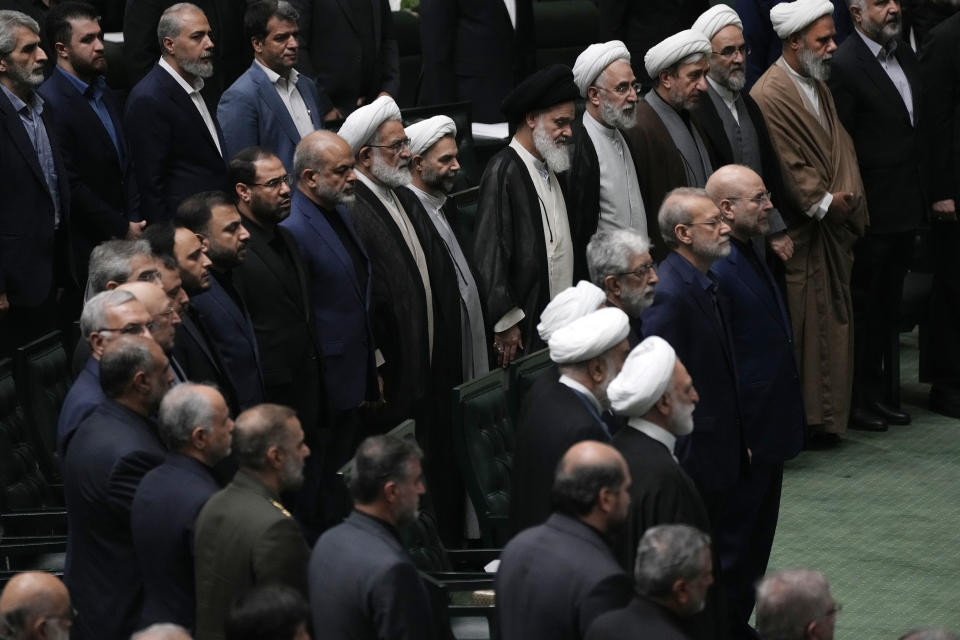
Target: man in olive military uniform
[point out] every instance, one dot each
(244, 536)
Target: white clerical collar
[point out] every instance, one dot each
(186, 86)
(576, 386)
(599, 127)
(730, 97)
(804, 79)
(529, 158)
(273, 76)
(435, 201)
(655, 431)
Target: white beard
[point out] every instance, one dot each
(391, 177)
(555, 156)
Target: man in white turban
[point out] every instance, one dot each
(602, 187)
(557, 414)
(570, 304)
(730, 121)
(668, 150)
(823, 204)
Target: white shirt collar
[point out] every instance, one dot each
(197, 85)
(728, 96)
(656, 432)
(599, 127)
(804, 79)
(435, 201)
(273, 76)
(876, 48)
(576, 386)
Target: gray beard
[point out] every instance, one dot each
(636, 301)
(882, 33)
(617, 118)
(733, 80)
(22, 77)
(681, 421)
(325, 194)
(198, 68)
(391, 177)
(814, 66)
(555, 156)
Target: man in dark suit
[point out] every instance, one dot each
(557, 414)
(177, 146)
(213, 216)
(89, 128)
(362, 583)
(619, 262)
(731, 123)
(244, 536)
(34, 192)
(350, 50)
(111, 452)
(556, 578)
(196, 427)
(768, 383)
(673, 575)
(875, 82)
(271, 105)
(475, 51)
(141, 48)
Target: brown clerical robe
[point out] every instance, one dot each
(817, 159)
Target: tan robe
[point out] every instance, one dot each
(815, 161)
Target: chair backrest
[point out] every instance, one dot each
(464, 221)
(22, 485)
(43, 380)
(564, 29)
(406, 29)
(483, 440)
(462, 115)
(523, 373)
(423, 544)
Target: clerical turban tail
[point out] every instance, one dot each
(424, 134)
(716, 18)
(594, 60)
(360, 125)
(674, 49)
(568, 305)
(590, 336)
(645, 377)
(790, 17)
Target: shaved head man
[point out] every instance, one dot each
(36, 606)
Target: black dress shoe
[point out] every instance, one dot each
(945, 401)
(891, 415)
(863, 420)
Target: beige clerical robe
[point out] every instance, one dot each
(817, 157)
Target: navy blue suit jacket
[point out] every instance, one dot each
(84, 396)
(102, 194)
(173, 153)
(231, 329)
(340, 308)
(30, 261)
(770, 402)
(165, 508)
(111, 452)
(683, 314)
(251, 113)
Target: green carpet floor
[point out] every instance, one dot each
(880, 515)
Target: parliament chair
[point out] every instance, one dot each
(523, 372)
(462, 116)
(42, 373)
(483, 441)
(406, 29)
(465, 221)
(564, 29)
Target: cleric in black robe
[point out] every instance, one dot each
(522, 247)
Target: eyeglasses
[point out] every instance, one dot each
(757, 199)
(273, 184)
(396, 147)
(165, 314)
(709, 223)
(728, 52)
(623, 88)
(640, 271)
(132, 329)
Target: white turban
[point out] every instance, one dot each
(360, 125)
(644, 379)
(674, 49)
(568, 305)
(789, 17)
(594, 60)
(424, 134)
(590, 336)
(716, 18)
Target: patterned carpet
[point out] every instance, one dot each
(880, 515)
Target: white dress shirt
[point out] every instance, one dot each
(291, 98)
(194, 92)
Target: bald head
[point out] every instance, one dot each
(589, 453)
(323, 163)
(162, 631)
(591, 483)
(727, 180)
(741, 196)
(32, 598)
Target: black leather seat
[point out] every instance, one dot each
(523, 372)
(406, 29)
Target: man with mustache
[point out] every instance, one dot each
(34, 192)
(176, 144)
(619, 262)
(668, 149)
(602, 188)
(522, 245)
(876, 86)
(823, 198)
(732, 125)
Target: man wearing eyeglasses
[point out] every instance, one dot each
(769, 383)
(732, 125)
(602, 188)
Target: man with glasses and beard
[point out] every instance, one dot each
(602, 188)
(619, 263)
(669, 151)
(732, 125)
(522, 245)
(824, 192)
(244, 535)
